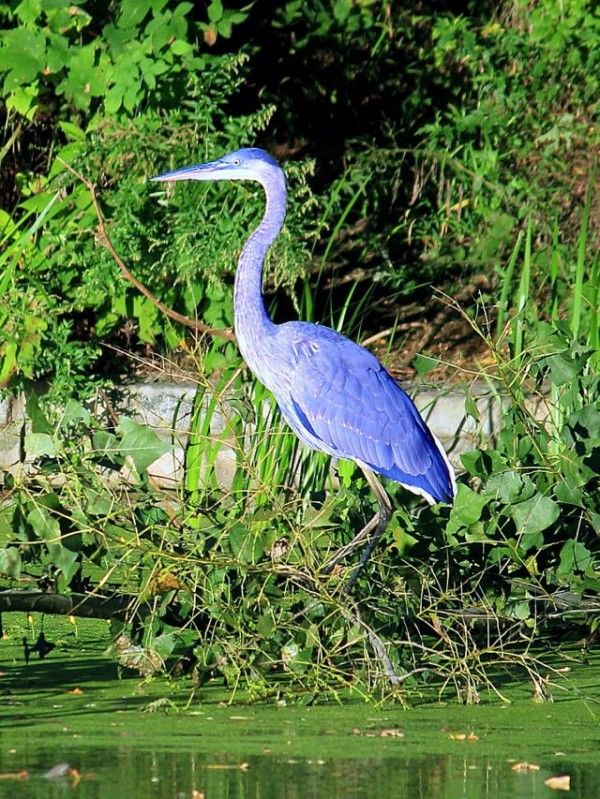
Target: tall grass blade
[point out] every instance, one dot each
(506, 286)
(578, 300)
(594, 336)
(523, 293)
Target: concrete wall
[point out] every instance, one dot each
(166, 407)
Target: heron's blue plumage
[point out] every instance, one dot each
(334, 394)
(338, 398)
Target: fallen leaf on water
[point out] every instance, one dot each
(562, 783)
(197, 794)
(14, 775)
(223, 766)
(462, 736)
(75, 692)
(524, 766)
(75, 777)
(389, 732)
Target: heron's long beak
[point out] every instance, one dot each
(210, 171)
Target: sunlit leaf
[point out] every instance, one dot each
(10, 562)
(535, 514)
(468, 505)
(140, 443)
(38, 444)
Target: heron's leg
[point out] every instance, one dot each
(383, 516)
(377, 524)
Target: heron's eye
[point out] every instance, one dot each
(236, 162)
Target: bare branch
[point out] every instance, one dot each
(105, 241)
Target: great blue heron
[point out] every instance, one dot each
(333, 393)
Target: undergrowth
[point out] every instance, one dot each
(490, 167)
(454, 597)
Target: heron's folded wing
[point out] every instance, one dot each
(344, 397)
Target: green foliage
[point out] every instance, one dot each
(221, 21)
(490, 121)
(58, 53)
(490, 137)
(518, 132)
(164, 242)
(538, 512)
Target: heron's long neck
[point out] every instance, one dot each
(252, 324)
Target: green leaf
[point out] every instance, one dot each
(509, 487)
(23, 100)
(102, 441)
(471, 408)
(140, 443)
(148, 318)
(164, 645)
(48, 529)
(520, 610)
(345, 470)
(535, 514)
(28, 11)
(467, 506)
(72, 131)
(424, 364)
(246, 545)
(574, 557)
(595, 521)
(38, 444)
(66, 560)
(23, 52)
(483, 463)
(179, 47)
(44, 525)
(215, 11)
(99, 504)
(404, 541)
(74, 412)
(583, 425)
(132, 13)
(569, 494)
(265, 626)
(531, 540)
(10, 562)
(561, 368)
(39, 422)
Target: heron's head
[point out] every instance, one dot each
(249, 163)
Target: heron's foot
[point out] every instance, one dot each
(378, 523)
(378, 646)
(349, 548)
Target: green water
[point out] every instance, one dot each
(255, 751)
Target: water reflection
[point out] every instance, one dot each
(124, 771)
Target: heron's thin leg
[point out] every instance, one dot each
(378, 523)
(383, 516)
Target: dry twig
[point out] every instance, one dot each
(104, 239)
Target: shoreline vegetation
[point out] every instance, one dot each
(444, 208)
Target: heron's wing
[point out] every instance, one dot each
(342, 396)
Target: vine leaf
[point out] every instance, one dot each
(140, 443)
